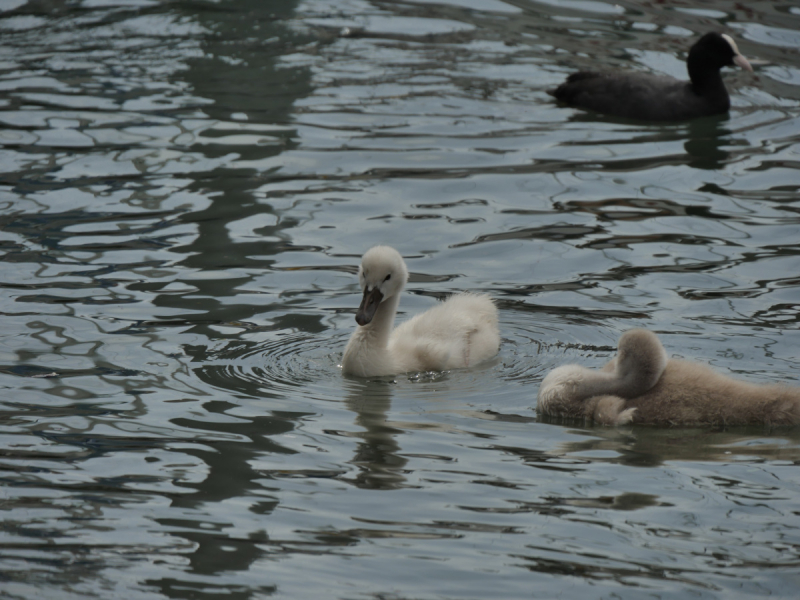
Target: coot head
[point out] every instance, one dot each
(709, 54)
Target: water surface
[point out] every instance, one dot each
(186, 192)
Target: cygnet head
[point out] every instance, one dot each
(382, 274)
(641, 361)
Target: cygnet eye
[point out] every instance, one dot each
(388, 277)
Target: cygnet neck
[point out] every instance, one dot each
(599, 383)
(637, 368)
(380, 328)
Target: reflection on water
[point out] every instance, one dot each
(707, 142)
(187, 190)
(378, 455)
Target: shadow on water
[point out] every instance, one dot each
(230, 475)
(251, 87)
(249, 37)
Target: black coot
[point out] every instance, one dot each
(659, 98)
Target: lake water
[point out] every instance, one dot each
(187, 188)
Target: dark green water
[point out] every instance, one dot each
(187, 188)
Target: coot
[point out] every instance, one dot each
(659, 98)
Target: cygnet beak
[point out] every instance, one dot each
(369, 304)
(740, 60)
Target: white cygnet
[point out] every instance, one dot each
(460, 332)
